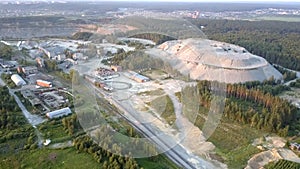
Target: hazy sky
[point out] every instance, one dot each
(282, 1)
(204, 0)
(211, 0)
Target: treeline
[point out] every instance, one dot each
(276, 41)
(51, 65)
(7, 79)
(6, 52)
(71, 124)
(23, 21)
(253, 107)
(287, 75)
(155, 37)
(296, 84)
(8, 118)
(103, 156)
(282, 164)
(105, 148)
(272, 86)
(119, 57)
(13, 124)
(82, 36)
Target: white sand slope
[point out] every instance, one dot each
(211, 60)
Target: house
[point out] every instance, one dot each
(54, 52)
(59, 57)
(79, 56)
(27, 45)
(35, 53)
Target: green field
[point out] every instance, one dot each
(161, 162)
(233, 142)
(163, 105)
(54, 131)
(47, 158)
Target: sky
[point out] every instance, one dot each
(204, 0)
(282, 1)
(211, 0)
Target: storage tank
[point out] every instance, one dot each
(18, 80)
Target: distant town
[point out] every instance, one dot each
(140, 85)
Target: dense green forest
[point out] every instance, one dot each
(9, 120)
(250, 104)
(13, 126)
(283, 164)
(276, 41)
(85, 144)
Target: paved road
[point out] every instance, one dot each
(34, 120)
(297, 75)
(175, 151)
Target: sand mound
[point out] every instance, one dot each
(211, 60)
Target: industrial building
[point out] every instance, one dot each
(140, 78)
(43, 83)
(137, 77)
(104, 74)
(59, 113)
(28, 94)
(116, 68)
(6, 64)
(18, 80)
(27, 70)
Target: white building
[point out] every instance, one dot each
(18, 80)
(79, 56)
(59, 57)
(59, 113)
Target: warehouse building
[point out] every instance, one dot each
(137, 77)
(43, 83)
(140, 78)
(18, 80)
(59, 113)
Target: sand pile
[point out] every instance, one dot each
(211, 60)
